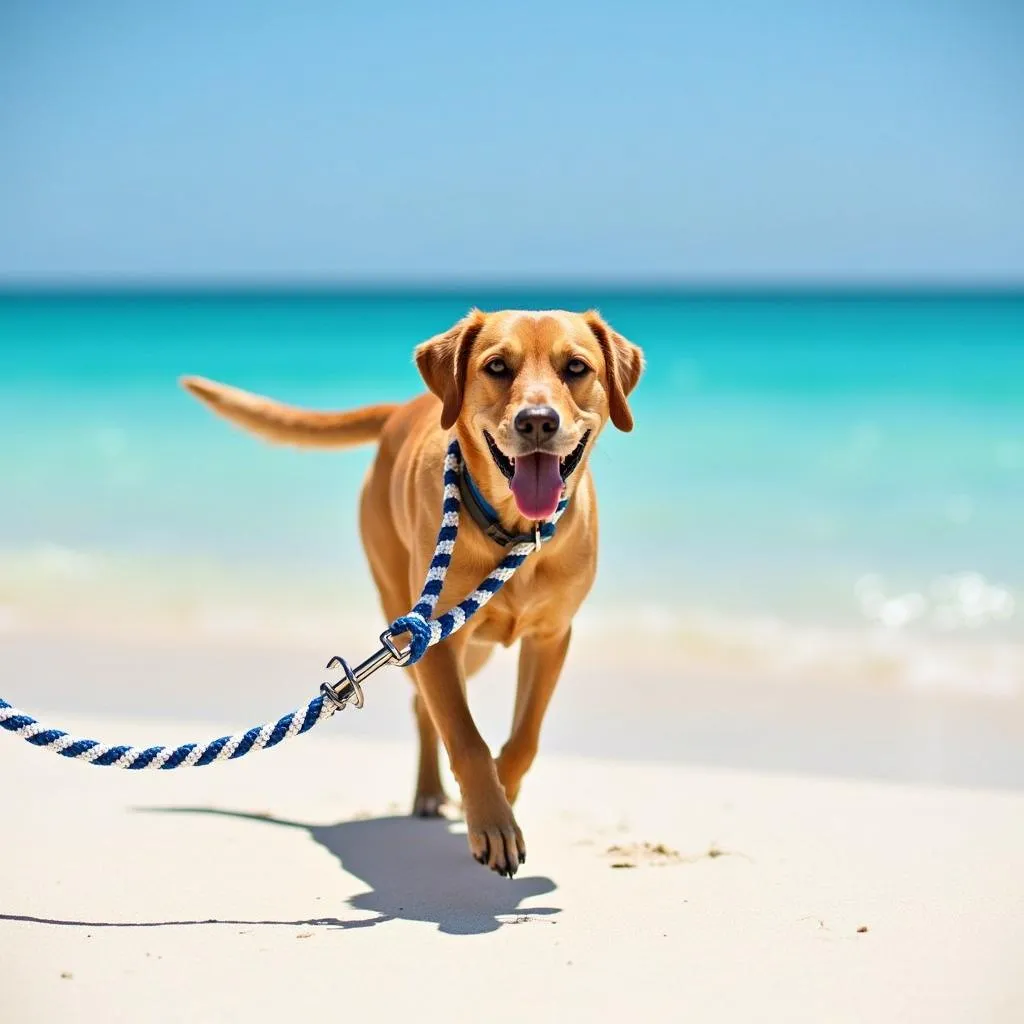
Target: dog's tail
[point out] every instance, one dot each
(287, 424)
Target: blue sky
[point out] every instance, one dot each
(775, 141)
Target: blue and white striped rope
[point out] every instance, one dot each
(188, 755)
(424, 631)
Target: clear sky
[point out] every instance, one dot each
(342, 139)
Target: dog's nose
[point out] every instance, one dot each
(536, 421)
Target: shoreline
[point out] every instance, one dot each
(292, 616)
(653, 714)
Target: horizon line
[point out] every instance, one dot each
(622, 285)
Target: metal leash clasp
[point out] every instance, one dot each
(348, 688)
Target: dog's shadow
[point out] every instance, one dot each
(416, 870)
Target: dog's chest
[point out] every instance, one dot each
(534, 603)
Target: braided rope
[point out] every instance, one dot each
(424, 631)
(188, 755)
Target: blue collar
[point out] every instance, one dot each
(483, 513)
(489, 511)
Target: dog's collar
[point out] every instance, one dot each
(483, 513)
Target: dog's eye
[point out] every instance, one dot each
(496, 368)
(576, 368)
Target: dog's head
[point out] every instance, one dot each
(528, 394)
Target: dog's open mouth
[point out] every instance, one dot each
(573, 459)
(537, 480)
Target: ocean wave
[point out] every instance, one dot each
(964, 600)
(695, 641)
(53, 587)
(952, 638)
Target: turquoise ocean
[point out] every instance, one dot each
(821, 486)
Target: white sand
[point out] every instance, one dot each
(654, 711)
(125, 899)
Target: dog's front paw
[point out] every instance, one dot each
(494, 837)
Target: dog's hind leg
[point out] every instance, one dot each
(430, 796)
(540, 664)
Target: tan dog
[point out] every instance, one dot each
(526, 394)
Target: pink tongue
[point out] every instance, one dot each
(537, 485)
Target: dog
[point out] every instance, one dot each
(526, 394)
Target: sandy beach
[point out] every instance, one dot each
(293, 883)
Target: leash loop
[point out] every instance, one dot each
(419, 634)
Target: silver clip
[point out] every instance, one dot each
(348, 688)
(536, 537)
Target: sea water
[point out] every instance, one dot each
(817, 485)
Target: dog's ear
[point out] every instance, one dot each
(623, 362)
(442, 363)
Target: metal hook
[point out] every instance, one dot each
(336, 692)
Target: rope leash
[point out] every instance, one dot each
(424, 632)
(188, 755)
